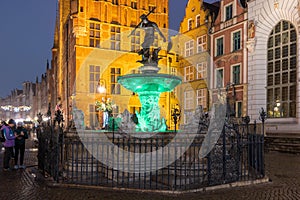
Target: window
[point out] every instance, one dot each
(188, 73)
(189, 48)
(94, 78)
(238, 108)
(173, 71)
(190, 21)
(188, 99)
(236, 41)
(114, 74)
(201, 70)
(228, 12)
(219, 47)
(94, 116)
(197, 20)
(115, 38)
(134, 4)
(155, 43)
(116, 2)
(219, 78)
(201, 44)
(236, 74)
(281, 71)
(135, 41)
(95, 35)
(152, 8)
(201, 97)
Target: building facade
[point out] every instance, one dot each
(229, 56)
(273, 67)
(194, 40)
(92, 48)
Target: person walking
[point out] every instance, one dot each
(9, 143)
(21, 135)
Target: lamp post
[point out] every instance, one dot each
(175, 115)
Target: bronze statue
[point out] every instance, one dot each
(150, 28)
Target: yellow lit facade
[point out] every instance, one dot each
(92, 47)
(195, 56)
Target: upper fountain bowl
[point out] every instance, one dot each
(151, 82)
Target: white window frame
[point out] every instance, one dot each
(201, 97)
(197, 21)
(231, 72)
(216, 45)
(189, 73)
(188, 99)
(201, 70)
(232, 42)
(189, 48)
(216, 77)
(201, 45)
(232, 11)
(187, 116)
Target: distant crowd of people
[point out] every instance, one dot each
(13, 137)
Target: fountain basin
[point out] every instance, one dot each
(149, 82)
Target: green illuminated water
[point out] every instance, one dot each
(149, 86)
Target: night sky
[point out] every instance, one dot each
(26, 38)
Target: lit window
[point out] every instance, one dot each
(115, 86)
(201, 70)
(188, 73)
(189, 48)
(190, 25)
(201, 97)
(201, 44)
(94, 78)
(197, 20)
(134, 4)
(188, 99)
(282, 71)
(135, 41)
(94, 116)
(95, 35)
(115, 38)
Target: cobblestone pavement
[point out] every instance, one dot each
(282, 169)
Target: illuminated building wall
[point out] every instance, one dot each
(195, 56)
(91, 45)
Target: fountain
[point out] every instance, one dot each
(149, 84)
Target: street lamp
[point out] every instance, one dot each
(176, 115)
(101, 88)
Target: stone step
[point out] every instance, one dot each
(288, 144)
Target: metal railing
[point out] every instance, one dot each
(237, 156)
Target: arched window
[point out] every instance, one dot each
(281, 71)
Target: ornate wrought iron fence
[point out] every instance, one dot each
(237, 156)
